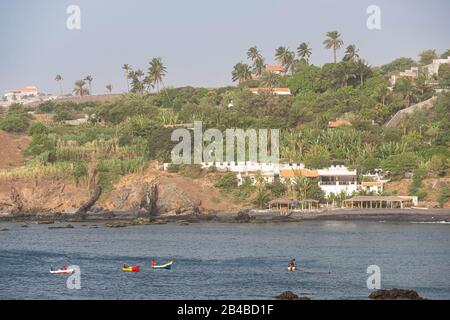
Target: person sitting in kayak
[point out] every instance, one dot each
(292, 264)
(153, 263)
(51, 268)
(125, 266)
(64, 268)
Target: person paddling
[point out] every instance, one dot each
(292, 264)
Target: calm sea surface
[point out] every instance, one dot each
(225, 261)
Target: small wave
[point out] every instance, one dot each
(431, 222)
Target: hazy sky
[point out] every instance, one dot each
(199, 40)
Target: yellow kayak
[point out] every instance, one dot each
(131, 269)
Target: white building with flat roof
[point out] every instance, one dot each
(337, 179)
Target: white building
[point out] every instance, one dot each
(433, 68)
(374, 182)
(20, 94)
(336, 179)
(429, 70)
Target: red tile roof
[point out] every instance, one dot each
(270, 68)
(338, 123)
(285, 91)
(27, 89)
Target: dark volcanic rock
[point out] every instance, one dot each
(289, 295)
(395, 294)
(243, 216)
(4, 229)
(46, 222)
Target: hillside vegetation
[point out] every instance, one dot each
(123, 135)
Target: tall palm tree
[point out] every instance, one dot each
(137, 85)
(302, 185)
(351, 53)
(284, 57)
(241, 72)
(109, 87)
(253, 53)
(259, 66)
(127, 68)
(304, 52)
(80, 89)
(289, 62)
(156, 72)
(89, 80)
(258, 61)
(59, 79)
(334, 42)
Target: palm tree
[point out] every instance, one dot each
(156, 72)
(259, 66)
(241, 72)
(261, 193)
(127, 68)
(253, 53)
(351, 53)
(258, 61)
(59, 79)
(269, 79)
(137, 85)
(289, 62)
(363, 70)
(284, 57)
(109, 87)
(334, 42)
(79, 89)
(304, 52)
(343, 73)
(302, 184)
(89, 80)
(405, 87)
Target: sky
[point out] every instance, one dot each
(199, 40)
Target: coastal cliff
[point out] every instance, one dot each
(172, 195)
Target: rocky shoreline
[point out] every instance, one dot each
(137, 217)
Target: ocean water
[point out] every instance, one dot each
(225, 261)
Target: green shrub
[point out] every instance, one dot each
(399, 164)
(173, 168)
(193, 171)
(444, 194)
(16, 122)
(227, 182)
(277, 188)
(37, 128)
(39, 144)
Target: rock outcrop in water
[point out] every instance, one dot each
(243, 216)
(289, 295)
(395, 294)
